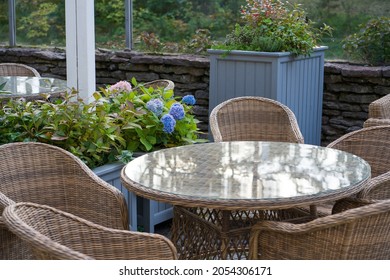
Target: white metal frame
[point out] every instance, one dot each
(80, 47)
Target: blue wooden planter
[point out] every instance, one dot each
(142, 212)
(296, 82)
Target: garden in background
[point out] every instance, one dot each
(188, 26)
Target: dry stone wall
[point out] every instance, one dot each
(348, 89)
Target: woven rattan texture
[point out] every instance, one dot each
(373, 145)
(166, 84)
(54, 234)
(379, 112)
(359, 234)
(254, 118)
(15, 69)
(202, 233)
(45, 174)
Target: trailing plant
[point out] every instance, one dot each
(120, 121)
(371, 44)
(274, 26)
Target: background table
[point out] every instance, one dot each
(31, 87)
(220, 189)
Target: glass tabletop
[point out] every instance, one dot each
(258, 172)
(21, 86)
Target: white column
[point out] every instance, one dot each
(80, 47)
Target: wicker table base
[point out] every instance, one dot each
(202, 233)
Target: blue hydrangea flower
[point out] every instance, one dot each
(189, 100)
(168, 122)
(177, 111)
(156, 106)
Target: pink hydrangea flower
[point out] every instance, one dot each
(120, 86)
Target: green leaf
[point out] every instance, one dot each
(151, 139)
(146, 143)
(2, 85)
(132, 126)
(168, 94)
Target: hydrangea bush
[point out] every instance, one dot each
(124, 118)
(150, 118)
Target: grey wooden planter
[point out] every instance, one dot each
(296, 82)
(142, 212)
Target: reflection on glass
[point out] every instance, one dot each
(19, 85)
(248, 170)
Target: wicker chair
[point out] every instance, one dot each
(373, 145)
(359, 233)
(55, 234)
(16, 69)
(379, 112)
(45, 174)
(254, 118)
(167, 84)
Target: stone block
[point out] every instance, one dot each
(357, 98)
(355, 115)
(361, 71)
(333, 68)
(382, 90)
(141, 76)
(386, 71)
(333, 79)
(354, 88)
(331, 113)
(350, 107)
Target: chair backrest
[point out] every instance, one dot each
(252, 118)
(16, 69)
(167, 84)
(46, 174)
(379, 112)
(55, 234)
(359, 233)
(371, 143)
(380, 108)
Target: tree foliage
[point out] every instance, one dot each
(175, 25)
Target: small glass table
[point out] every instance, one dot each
(31, 87)
(220, 189)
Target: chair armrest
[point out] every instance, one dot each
(4, 202)
(137, 245)
(380, 108)
(376, 122)
(317, 239)
(377, 188)
(56, 234)
(112, 212)
(349, 203)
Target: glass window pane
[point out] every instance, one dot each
(110, 24)
(4, 38)
(40, 22)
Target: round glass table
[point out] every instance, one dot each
(30, 87)
(219, 189)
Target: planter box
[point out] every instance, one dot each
(142, 212)
(296, 82)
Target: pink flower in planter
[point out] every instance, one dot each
(120, 86)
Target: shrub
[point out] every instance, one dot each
(139, 114)
(118, 122)
(371, 44)
(274, 26)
